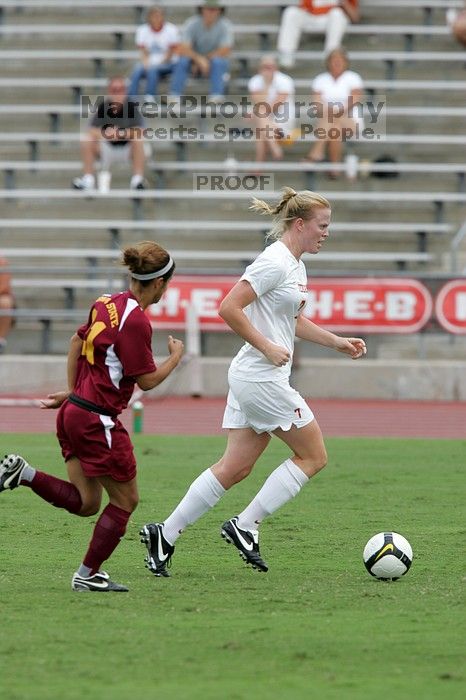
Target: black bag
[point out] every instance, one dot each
(385, 173)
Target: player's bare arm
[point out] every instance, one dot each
(153, 379)
(307, 330)
(232, 312)
(55, 399)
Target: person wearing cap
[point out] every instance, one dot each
(108, 355)
(330, 17)
(206, 43)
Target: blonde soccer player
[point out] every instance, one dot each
(265, 309)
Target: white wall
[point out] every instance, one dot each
(441, 380)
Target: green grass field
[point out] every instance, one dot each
(316, 626)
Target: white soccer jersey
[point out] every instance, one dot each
(280, 283)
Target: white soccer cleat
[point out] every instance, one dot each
(11, 468)
(98, 583)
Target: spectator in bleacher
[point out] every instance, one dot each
(335, 91)
(114, 135)
(6, 304)
(206, 43)
(271, 93)
(157, 41)
(330, 17)
(457, 23)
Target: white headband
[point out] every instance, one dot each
(154, 275)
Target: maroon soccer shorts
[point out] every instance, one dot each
(101, 443)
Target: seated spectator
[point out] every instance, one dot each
(331, 17)
(457, 23)
(114, 135)
(272, 93)
(207, 39)
(337, 88)
(156, 41)
(6, 304)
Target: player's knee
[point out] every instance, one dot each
(242, 472)
(129, 502)
(133, 503)
(230, 474)
(314, 464)
(322, 461)
(89, 508)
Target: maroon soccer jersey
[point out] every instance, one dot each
(116, 349)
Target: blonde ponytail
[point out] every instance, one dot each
(293, 205)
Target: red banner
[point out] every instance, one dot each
(202, 291)
(382, 305)
(375, 305)
(450, 306)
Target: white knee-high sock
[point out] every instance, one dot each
(202, 495)
(282, 485)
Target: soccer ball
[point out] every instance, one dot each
(387, 556)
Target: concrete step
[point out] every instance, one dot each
(415, 182)
(421, 122)
(254, 12)
(433, 346)
(434, 70)
(167, 150)
(310, 42)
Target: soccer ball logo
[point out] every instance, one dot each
(387, 556)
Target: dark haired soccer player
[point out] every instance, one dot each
(108, 355)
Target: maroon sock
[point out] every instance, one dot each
(108, 531)
(58, 492)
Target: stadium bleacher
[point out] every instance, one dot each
(50, 58)
(161, 168)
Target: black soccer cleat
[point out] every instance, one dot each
(246, 541)
(98, 583)
(11, 468)
(159, 551)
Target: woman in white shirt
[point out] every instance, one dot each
(335, 93)
(265, 309)
(156, 41)
(271, 93)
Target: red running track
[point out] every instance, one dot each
(340, 418)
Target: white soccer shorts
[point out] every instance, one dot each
(265, 406)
